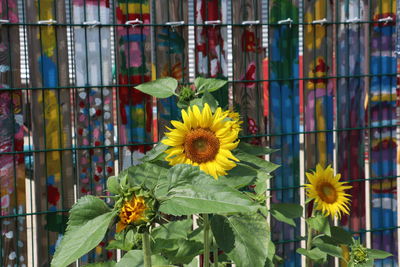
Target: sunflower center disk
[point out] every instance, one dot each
(201, 145)
(328, 193)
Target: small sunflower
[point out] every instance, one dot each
(328, 193)
(133, 212)
(203, 139)
(235, 118)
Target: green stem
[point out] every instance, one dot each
(146, 249)
(309, 239)
(215, 254)
(206, 241)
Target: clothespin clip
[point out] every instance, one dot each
(213, 22)
(48, 22)
(134, 22)
(92, 23)
(353, 20)
(320, 21)
(286, 21)
(386, 20)
(174, 24)
(250, 22)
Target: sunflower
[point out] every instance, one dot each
(235, 118)
(328, 193)
(203, 139)
(132, 212)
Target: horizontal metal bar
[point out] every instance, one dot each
(229, 81)
(350, 21)
(241, 137)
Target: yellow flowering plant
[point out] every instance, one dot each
(329, 200)
(199, 169)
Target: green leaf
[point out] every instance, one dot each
(209, 84)
(172, 230)
(240, 176)
(261, 182)
(155, 153)
(286, 212)
(378, 254)
(80, 240)
(315, 254)
(124, 241)
(197, 102)
(146, 174)
(320, 223)
(329, 249)
(160, 88)
(244, 238)
(256, 162)
(282, 218)
(210, 100)
(102, 264)
(255, 150)
(183, 174)
(87, 208)
(187, 250)
(113, 185)
(341, 236)
(206, 198)
(135, 258)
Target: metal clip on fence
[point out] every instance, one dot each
(386, 20)
(134, 23)
(286, 21)
(174, 24)
(250, 22)
(4, 21)
(353, 20)
(47, 22)
(92, 23)
(213, 22)
(320, 21)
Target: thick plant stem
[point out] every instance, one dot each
(309, 262)
(146, 249)
(206, 241)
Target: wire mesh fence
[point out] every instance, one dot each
(315, 78)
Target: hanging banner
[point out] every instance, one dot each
(134, 67)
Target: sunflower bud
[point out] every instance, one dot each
(359, 254)
(186, 94)
(137, 211)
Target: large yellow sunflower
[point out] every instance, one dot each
(328, 193)
(203, 139)
(235, 117)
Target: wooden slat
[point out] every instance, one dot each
(51, 127)
(94, 105)
(284, 117)
(12, 168)
(382, 110)
(318, 93)
(134, 67)
(247, 67)
(352, 47)
(211, 43)
(171, 54)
